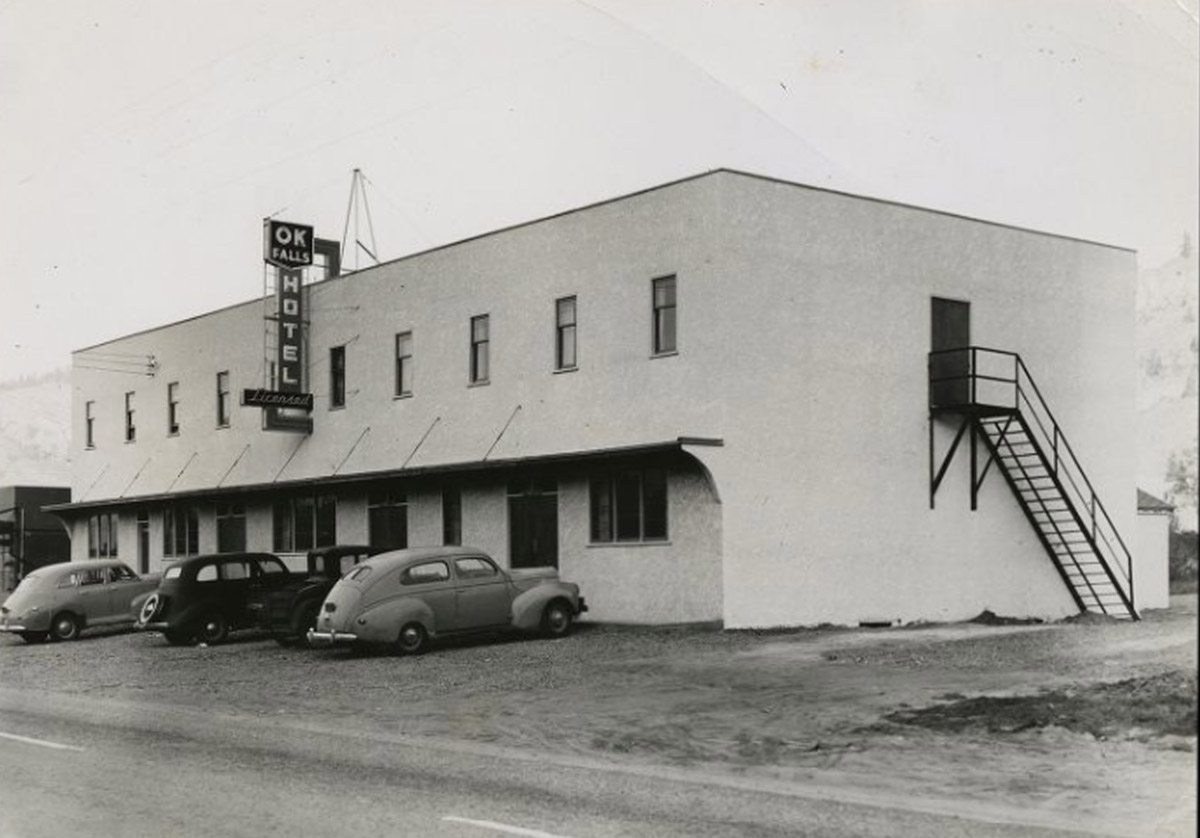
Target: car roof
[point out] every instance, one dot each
(222, 557)
(339, 550)
(395, 558)
(71, 567)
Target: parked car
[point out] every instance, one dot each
(290, 611)
(61, 600)
(203, 598)
(408, 598)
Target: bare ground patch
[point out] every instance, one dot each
(1158, 705)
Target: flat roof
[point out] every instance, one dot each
(624, 197)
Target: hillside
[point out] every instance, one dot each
(35, 429)
(1168, 391)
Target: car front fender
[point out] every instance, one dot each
(381, 622)
(527, 608)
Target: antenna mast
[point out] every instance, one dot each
(358, 203)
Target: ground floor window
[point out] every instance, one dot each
(302, 523)
(387, 518)
(181, 531)
(102, 535)
(231, 528)
(629, 505)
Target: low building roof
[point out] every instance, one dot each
(1148, 504)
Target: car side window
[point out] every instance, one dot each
(271, 566)
(69, 581)
(235, 570)
(475, 568)
(208, 573)
(422, 574)
(91, 576)
(120, 573)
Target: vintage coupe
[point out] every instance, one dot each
(288, 612)
(407, 598)
(61, 600)
(203, 598)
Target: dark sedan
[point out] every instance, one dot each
(288, 612)
(203, 598)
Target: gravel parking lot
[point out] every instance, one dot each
(919, 710)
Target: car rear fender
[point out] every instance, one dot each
(382, 621)
(527, 608)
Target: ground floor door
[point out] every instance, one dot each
(143, 542)
(533, 522)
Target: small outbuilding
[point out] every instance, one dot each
(1153, 550)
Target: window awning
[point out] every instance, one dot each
(227, 492)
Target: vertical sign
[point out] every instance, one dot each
(291, 317)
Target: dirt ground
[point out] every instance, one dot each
(1085, 722)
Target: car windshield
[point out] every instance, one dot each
(359, 573)
(173, 572)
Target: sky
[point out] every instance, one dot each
(142, 142)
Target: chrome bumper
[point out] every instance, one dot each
(329, 638)
(7, 626)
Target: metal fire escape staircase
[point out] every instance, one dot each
(991, 396)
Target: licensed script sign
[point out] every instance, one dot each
(275, 398)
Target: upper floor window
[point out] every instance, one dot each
(564, 334)
(629, 505)
(480, 340)
(130, 426)
(337, 376)
(173, 408)
(89, 423)
(223, 399)
(404, 364)
(664, 315)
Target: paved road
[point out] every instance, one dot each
(78, 766)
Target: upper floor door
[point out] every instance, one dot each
(951, 321)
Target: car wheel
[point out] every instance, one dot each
(178, 638)
(33, 636)
(149, 609)
(65, 626)
(413, 639)
(556, 619)
(213, 629)
(306, 618)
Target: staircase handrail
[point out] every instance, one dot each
(1062, 465)
(1092, 499)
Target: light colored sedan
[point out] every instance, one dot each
(407, 598)
(61, 600)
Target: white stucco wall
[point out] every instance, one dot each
(803, 333)
(824, 473)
